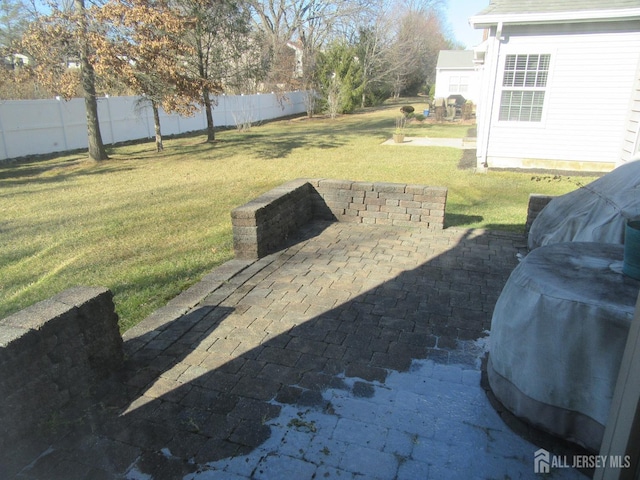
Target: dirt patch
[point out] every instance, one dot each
(468, 161)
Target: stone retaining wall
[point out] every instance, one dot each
(263, 225)
(51, 354)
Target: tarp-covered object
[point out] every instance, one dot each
(595, 212)
(558, 334)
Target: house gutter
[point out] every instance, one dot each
(486, 133)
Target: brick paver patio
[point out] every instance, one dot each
(353, 353)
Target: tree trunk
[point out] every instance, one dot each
(96, 147)
(156, 123)
(211, 133)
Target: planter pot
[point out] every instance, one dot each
(398, 137)
(631, 263)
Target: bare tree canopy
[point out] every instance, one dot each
(294, 30)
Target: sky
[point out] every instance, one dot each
(458, 14)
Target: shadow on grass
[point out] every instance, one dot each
(460, 220)
(505, 227)
(53, 171)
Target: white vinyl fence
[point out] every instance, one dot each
(31, 127)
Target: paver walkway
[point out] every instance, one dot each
(354, 353)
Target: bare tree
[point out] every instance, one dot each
(418, 37)
(218, 37)
(310, 24)
(373, 46)
(13, 23)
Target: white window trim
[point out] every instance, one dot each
(499, 88)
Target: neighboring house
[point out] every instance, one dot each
(457, 74)
(15, 60)
(560, 84)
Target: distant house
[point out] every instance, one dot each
(457, 74)
(15, 60)
(298, 48)
(560, 84)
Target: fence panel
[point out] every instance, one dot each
(33, 127)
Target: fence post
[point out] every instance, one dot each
(62, 126)
(4, 141)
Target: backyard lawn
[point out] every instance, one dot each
(147, 225)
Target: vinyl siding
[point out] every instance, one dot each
(586, 101)
(631, 141)
(443, 82)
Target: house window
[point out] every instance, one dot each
(458, 84)
(524, 84)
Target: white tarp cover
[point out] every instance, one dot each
(558, 333)
(593, 213)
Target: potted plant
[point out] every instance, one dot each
(398, 135)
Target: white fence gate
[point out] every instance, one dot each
(32, 127)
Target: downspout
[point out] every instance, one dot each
(492, 88)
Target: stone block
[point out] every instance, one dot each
(362, 186)
(400, 216)
(375, 201)
(335, 184)
(432, 206)
(397, 196)
(350, 219)
(410, 204)
(337, 204)
(415, 189)
(389, 209)
(373, 214)
(389, 187)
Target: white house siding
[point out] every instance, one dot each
(631, 141)
(586, 103)
(443, 83)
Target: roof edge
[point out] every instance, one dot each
(487, 20)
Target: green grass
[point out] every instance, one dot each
(148, 225)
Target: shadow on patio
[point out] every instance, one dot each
(341, 308)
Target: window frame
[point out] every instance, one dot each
(525, 82)
(461, 80)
